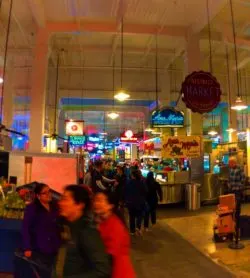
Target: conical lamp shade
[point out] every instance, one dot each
(239, 105)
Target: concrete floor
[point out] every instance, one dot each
(181, 245)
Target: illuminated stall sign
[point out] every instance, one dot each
(77, 140)
(94, 138)
(167, 117)
(128, 137)
(74, 128)
(181, 147)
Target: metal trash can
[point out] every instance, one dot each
(193, 196)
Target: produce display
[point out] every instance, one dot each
(12, 204)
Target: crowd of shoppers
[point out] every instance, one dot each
(85, 233)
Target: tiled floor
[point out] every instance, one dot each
(197, 229)
(181, 246)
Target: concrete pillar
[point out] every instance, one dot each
(8, 97)
(38, 88)
(193, 63)
(164, 94)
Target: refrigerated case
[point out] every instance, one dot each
(207, 163)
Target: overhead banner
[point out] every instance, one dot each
(74, 128)
(167, 117)
(181, 146)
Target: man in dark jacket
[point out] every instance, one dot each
(83, 254)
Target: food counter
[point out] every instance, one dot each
(173, 186)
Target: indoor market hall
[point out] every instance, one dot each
(124, 138)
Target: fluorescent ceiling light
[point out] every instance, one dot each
(239, 105)
(113, 115)
(122, 95)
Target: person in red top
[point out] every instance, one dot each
(114, 235)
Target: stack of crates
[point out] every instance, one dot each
(224, 226)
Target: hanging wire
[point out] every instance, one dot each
(122, 49)
(209, 38)
(156, 73)
(5, 59)
(229, 86)
(82, 94)
(56, 91)
(235, 49)
(246, 97)
(113, 83)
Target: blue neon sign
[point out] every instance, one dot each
(168, 117)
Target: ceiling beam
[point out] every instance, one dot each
(111, 27)
(96, 48)
(215, 7)
(38, 12)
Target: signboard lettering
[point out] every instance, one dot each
(201, 92)
(181, 146)
(168, 117)
(77, 140)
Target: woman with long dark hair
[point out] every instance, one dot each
(114, 235)
(40, 233)
(154, 193)
(135, 199)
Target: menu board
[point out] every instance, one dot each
(181, 146)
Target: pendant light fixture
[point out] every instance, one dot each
(2, 88)
(230, 129)
(156, 131)
(122, 95)
(212, 131)
(239, 104)
(113, 115)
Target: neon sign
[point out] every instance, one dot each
(128, 137)
(93, 139)
(168, 117)
(77, 140)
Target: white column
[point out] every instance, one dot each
(193, 63)
(38, 88)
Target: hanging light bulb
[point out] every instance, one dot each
(231, 130)
(212, 132)
(149, 129)
(239, 105)
(113, 115)
(121, 95)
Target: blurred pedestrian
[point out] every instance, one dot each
(115, 236)
(83, 254)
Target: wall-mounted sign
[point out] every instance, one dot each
(77, 140)
(201, 92)
(128, 137)
(74, 127)
(181, 146)
(167, 117)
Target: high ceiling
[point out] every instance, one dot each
(89, 33)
